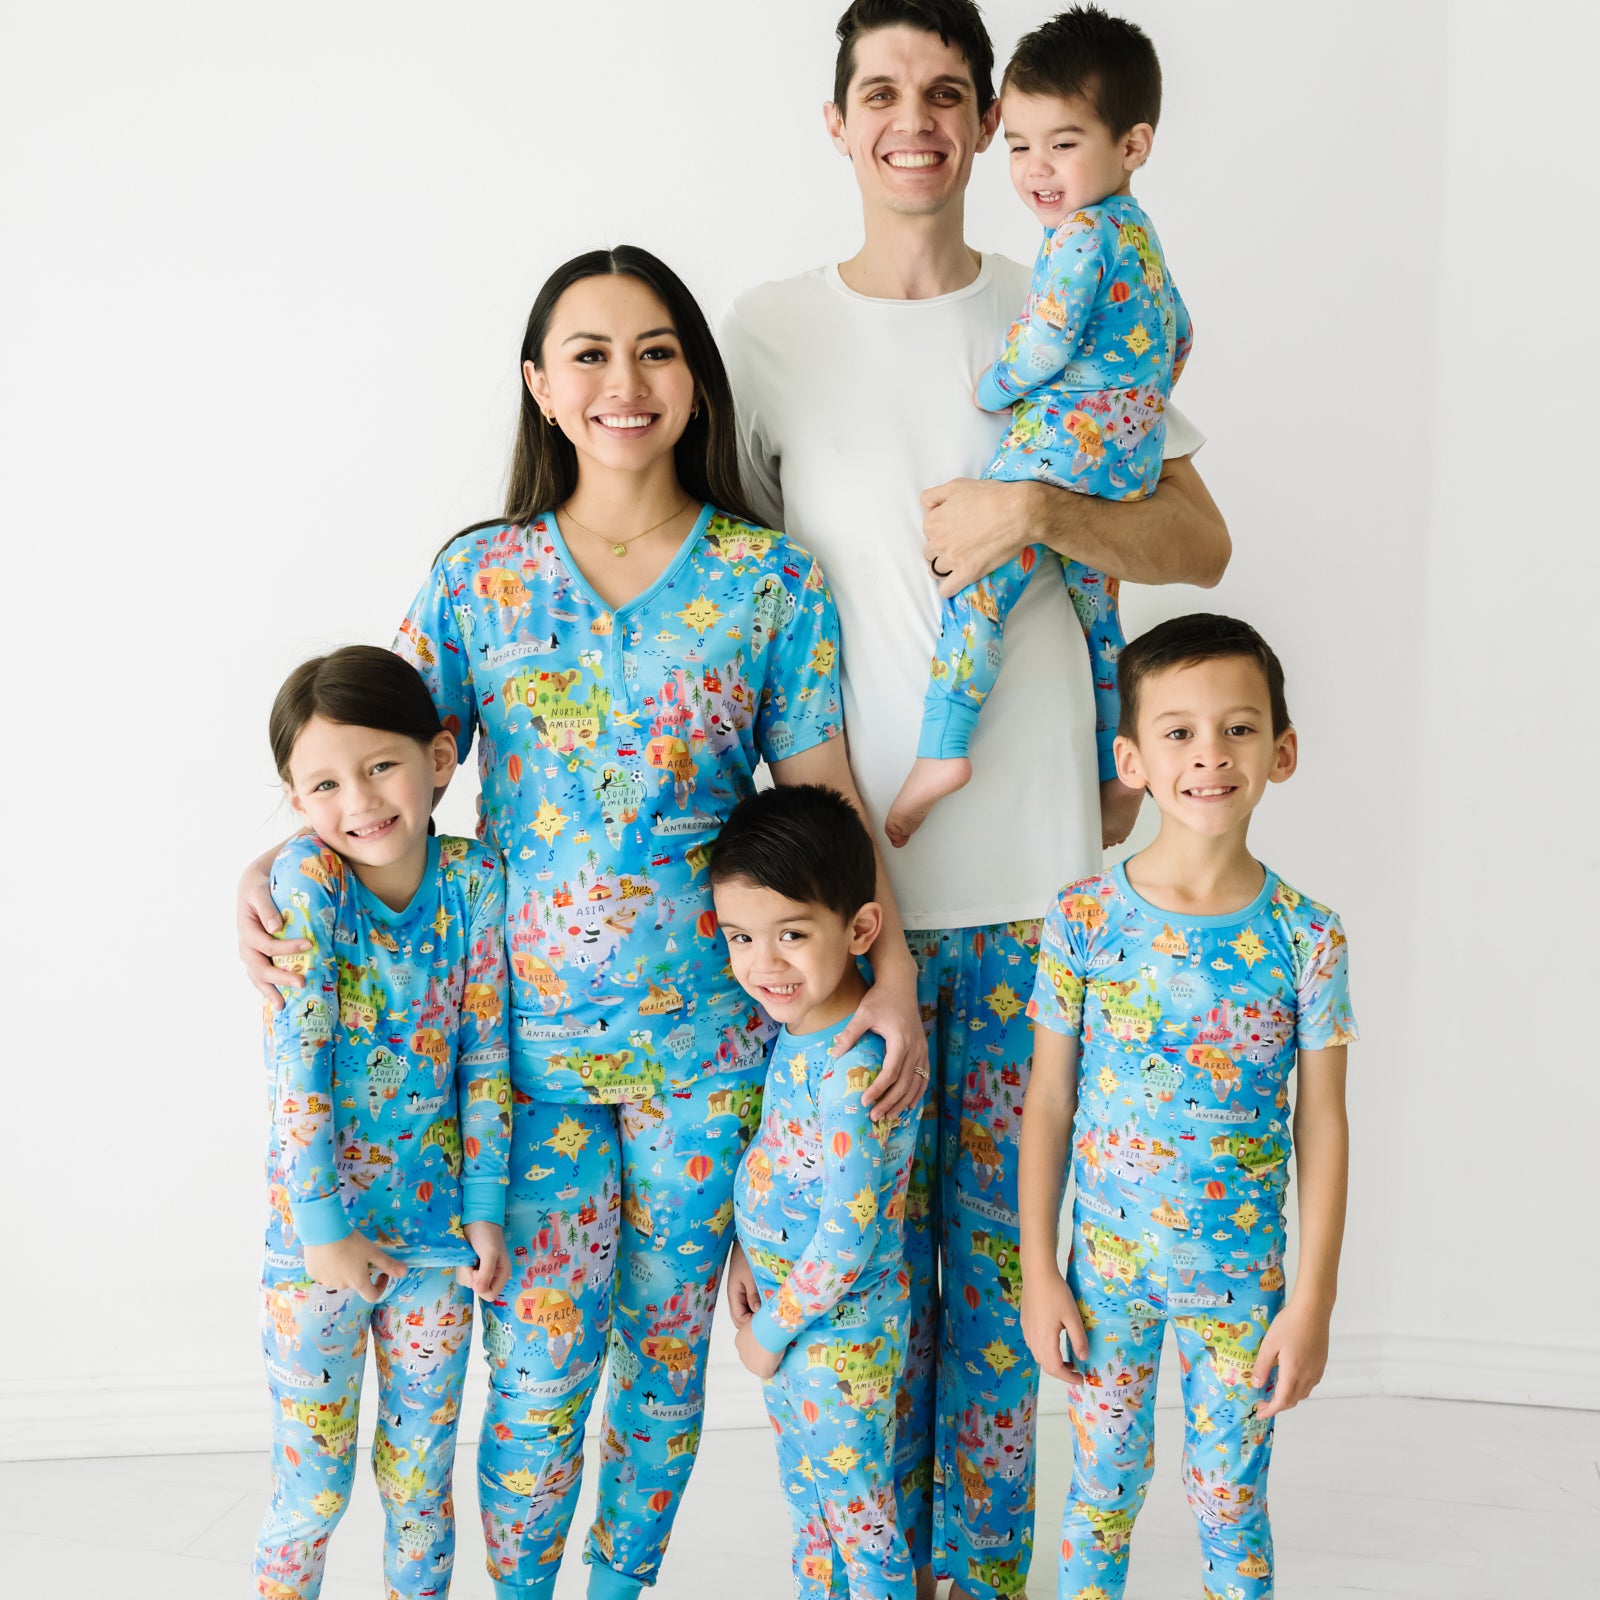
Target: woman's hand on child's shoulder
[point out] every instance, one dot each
(257, 920)
(349, 1264)
(890, 1010)
(489, 1276)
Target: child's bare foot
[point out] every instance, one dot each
(931, 778)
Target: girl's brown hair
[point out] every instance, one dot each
(544, 467)
(360, 685)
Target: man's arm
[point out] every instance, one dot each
(1177, 535)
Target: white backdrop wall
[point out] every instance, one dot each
(267, 272)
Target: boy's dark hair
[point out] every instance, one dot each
(957, 22)
(1185, 641)
(360, 685)
(1087, 53)
(804, 841)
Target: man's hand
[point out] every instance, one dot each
(744, 1299)
(1047, 1309)
(488, 1278)
(1297, 1345)
(1119, 810)
(350, 1263)
(755, 1355)
(890, 1010)
(258, 921)
(973, 526)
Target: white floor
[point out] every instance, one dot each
(1369, 1497)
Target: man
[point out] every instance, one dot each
(854, 385)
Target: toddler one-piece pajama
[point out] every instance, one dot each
(1086, 369)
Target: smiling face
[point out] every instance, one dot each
(795, 958)
(1204, 745)
(910, 122)
(1063, 157)
(368, 795)
(613, 374)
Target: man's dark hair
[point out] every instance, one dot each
(803, 841)
(1087, 53)
(957, 22)
(1185, 642)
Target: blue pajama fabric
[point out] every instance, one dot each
(619, 1221)
(1086, 369)
(964, 1457)
(315, 1343)
(1190, 1028)
(820, 1208)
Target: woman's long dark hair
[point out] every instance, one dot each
(544, 469)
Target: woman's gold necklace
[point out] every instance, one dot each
(620, 547)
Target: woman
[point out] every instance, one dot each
(629, 646)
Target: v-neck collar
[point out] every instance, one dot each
(385, 913)
(665, 577)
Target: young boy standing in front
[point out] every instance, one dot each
(817, 1282)
(1175, 995)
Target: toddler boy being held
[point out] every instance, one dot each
(1085, 371)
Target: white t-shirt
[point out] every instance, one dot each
(849, 408)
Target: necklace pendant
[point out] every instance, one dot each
(619, 549)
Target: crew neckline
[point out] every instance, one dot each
(1263, 899)
(835, 280)
(804, 1041)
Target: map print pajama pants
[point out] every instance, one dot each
(964, 1457)
(618, 1223)
(1131, 1276)
(832, 1411)
(968, 660)
(315, 1341)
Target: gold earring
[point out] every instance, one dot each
(550, 417)
(694, 411)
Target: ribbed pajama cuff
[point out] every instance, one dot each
(544, 1589)
(769, 1333)
(320, 1221)
(990, 395)
(483, 1200)
(947, 726)
(606, 1583)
